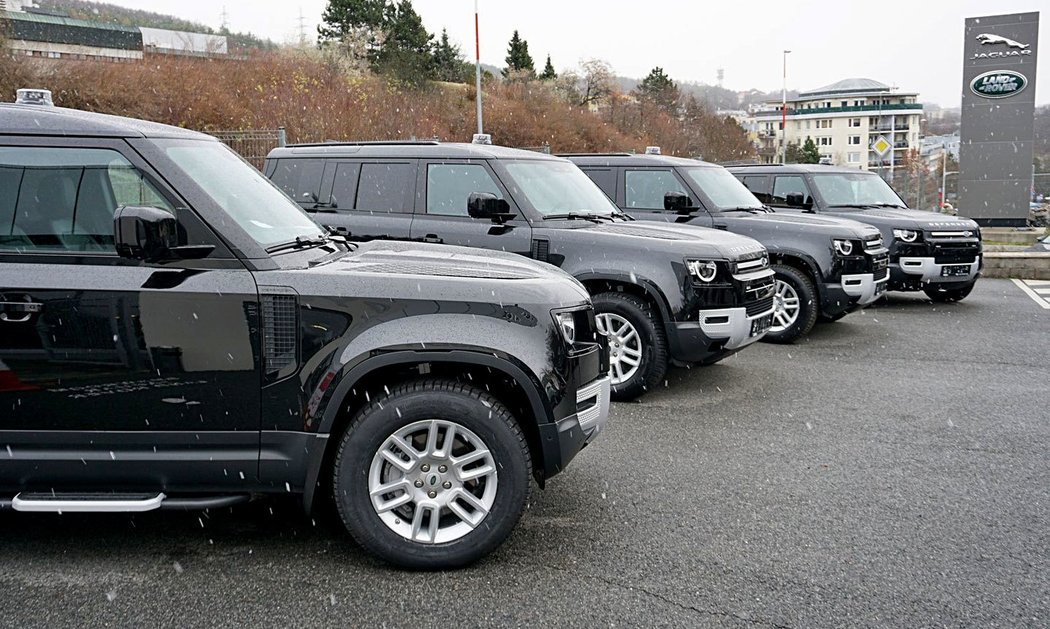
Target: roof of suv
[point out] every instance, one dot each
(18, 119)
(632, 159)
(795, 168)
(426, 148)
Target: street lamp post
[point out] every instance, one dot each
(783, 111)
(477, 66)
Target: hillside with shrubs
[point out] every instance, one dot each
(389, 79)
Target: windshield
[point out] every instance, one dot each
(255, 204)
(855, 189)
(556, 188)
(723, 189)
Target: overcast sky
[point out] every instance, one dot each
(915, 45)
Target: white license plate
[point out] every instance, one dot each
(955, 270)
(761, 324)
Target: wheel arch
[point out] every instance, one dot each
(498, 375)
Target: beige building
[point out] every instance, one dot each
(857, 123)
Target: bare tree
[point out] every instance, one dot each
(595, 83)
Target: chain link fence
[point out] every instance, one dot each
(253, 144)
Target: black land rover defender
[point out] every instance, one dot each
(209, 342)
(825, 267)
(661, 293)
(935, 253)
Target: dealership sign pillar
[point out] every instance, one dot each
(998, 108)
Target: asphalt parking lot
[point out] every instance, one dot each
(892, 470)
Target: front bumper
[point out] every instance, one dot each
(563, 439)
(925, 270)
(864, 288)
(734, 328)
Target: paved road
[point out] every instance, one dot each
(890, 471)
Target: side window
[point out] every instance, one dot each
(785, 185)
(385, 187)
(299, 179)
(605, 178)
(344, 186)
(758, 185)
(63, 199)
(449, 186)
(646, 188)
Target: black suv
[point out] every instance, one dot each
(935, 253)
(661, 293)
(176, 333)
(825, 267)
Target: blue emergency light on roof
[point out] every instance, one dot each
(34, 97)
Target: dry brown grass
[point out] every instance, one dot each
(316, 101)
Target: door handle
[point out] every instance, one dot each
(29, 308)
(432, 238)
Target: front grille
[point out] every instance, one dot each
(880, 262)
(881, 275)
(955, 253)
(873, 245)
(758, 307)
(748, 266)
(280, 331)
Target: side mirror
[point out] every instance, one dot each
(795, 199)
(150, 234)
(485, 205)
(678, 202)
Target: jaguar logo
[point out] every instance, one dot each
(998, 84)
(989, 38)
(1015, 48)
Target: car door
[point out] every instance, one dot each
(644, 190)
(442, 214)
(116, 373)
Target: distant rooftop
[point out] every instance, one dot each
(847, 86)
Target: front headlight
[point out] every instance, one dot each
(844, 247)
(906, 235)
(704, 270)
(567, 324)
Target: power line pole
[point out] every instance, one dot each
(302, 28)
(783, 112)
(225, 19)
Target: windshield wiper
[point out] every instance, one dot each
(867, 205)
(300, 241)
(744, 208)
(583, 216)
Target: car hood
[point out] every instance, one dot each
(831, 226)
(906, 218)
(679, 239)
(412, 258)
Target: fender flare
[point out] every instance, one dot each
(808, 261)
(386, 358)
(648, 286)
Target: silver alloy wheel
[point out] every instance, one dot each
(432, 481)
(625, 346)
(786, 307)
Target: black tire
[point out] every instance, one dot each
(468, 407)
(807, 299)
(654, 359)
(948, 295)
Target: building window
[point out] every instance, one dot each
(824, 141)
(854, 122)
(824, 124)
(798, 124)
(845, 103)
(853, 158)
(854, 140)
(807, 124)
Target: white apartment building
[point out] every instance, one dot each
(848, 121)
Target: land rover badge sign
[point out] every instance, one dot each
(998, 104)
(998, 84)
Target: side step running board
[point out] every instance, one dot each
(47, 502)
(40, 502)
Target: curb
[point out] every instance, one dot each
(1022, 265)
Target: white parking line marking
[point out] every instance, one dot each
(1025, 285)
(1043, 291)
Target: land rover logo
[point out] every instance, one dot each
(998, 83)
